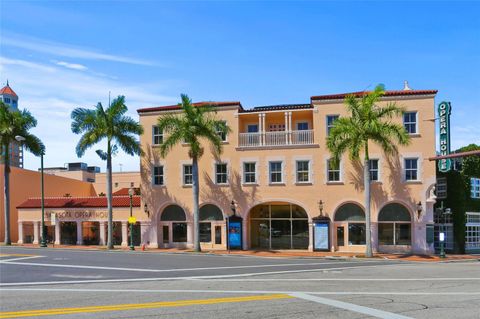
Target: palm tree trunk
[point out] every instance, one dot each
(109, 197)
(366, 178)
(6, 194)
(196, 224)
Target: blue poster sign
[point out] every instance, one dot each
(235, 234)
(321, 236)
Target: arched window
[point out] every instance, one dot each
(279, 226)
(350, 225)
(173, 213)
(176, 215)
(210, 213)
(350, 212)
(394, 225)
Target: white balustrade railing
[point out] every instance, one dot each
(303, 137)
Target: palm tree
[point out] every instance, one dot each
(119, 129)
(368, 122)
(191, 126)
(14, 124)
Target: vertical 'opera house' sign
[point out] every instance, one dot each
(444, 110)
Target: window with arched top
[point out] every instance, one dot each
(350, 212)
(394, 225)
(173, 213)
(210, 212)
(176, 215)
(350, 229)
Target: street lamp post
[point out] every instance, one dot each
(43, 241)
(130, 193)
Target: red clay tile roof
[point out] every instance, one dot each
(8, 90)
(80, 202)
(124, 191)
(278, 107)
(360, 94)
(177, 107)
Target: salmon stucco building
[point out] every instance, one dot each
(275, 169)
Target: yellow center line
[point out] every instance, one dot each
(162, 304)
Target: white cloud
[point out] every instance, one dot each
(73, 66)
(51, 92)
(58, 49)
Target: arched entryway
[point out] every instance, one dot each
(173, 226)
(349, 230)
(278, 225)
(212, 226)
(394, 227)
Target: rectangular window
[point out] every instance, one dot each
(302, 126)
(249, 173)
(179, 232)
(221, 174)
(303, 171)
(410, 122)
(6, 99)
(411, 169)
(165, 234)
(223, 135)
(373, 166)
(275, 172)
(158, 175)
(205, 232)
(187, 175)
(475, 187)
(330, 121)
(252, 128)
(157, 135)
(333, 171)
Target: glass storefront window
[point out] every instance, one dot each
(299, 234)
(340, 236)
(402, 234)
(260, 231)
(356, 234)
(280, 211)
(165, 234)
(205, 232)
(385, 234)
(179, 232)
(281, 231)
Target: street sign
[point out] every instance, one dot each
(444, 110)
(132, 220)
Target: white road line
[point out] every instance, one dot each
(179, 269)
(349, 306)
(330, 293)
(174, 278)
(350, 279)
(6, 261)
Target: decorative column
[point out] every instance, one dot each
(57, 233)
(79, 233)
(310, 236)
(245, 239)
(124, 234)
(189, 234)
(263, 128)
(36, 237)
(20, 233)
(289, 127)
(144, 238)
(102, 241)
(260, 135)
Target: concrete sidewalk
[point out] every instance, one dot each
(274, 253)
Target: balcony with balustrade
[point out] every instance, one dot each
(280, 126)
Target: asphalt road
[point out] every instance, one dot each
(80, 284)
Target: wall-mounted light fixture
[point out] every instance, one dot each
(419, 209)
(320, 207)
(145, 209)
(233, 207)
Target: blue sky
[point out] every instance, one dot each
(61, 55)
